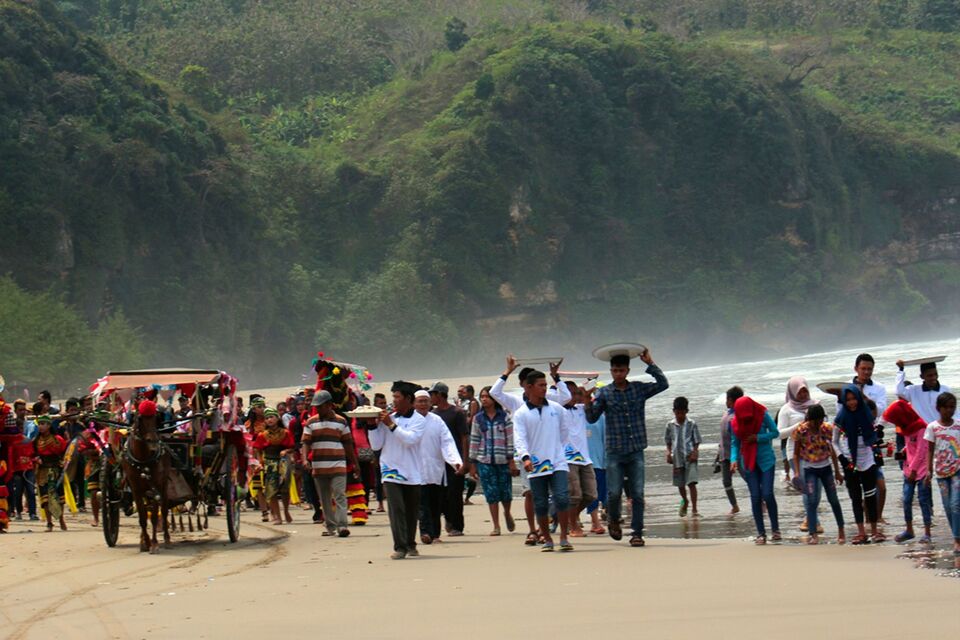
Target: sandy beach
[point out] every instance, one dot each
(290, 580)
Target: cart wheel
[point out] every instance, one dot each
(230, 499)
(111, 476)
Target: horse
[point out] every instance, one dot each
(146, 465)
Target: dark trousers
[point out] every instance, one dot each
(403, 505)
(453, 507)
(309, 490)
(432, 498)
(862, 487)
(25, 484)
(727, 477)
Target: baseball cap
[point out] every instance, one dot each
(440, 387)
(321, 397)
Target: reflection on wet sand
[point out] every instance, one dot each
(944, 562)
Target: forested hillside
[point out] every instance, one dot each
(239, 183)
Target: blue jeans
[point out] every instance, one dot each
(601, 475)
(815, 479)
(950, 492)
(25, 483)
(543, 486)
(629, 466)
(760, 484)
(924, 497)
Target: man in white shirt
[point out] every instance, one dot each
(540, 431)
(582, 480)
(397, 436)
(510, 403)
(436, 447)
(923, 397)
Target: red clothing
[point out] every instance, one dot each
(748, 417)
(284, 442)
(50, 445)
(360, 438)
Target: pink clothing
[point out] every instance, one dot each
(917, 453)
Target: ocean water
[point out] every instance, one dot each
(765, 381)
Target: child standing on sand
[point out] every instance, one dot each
(682, 438)
(943, 436)
(815, 464)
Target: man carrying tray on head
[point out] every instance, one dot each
(923, 397)
(623, 403)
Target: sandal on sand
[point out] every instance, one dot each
(511, 525)
(598, 530)
(637, 541)
(759, 540)
(813, 540)
(924, 539)
(615, 531)
(578, 534)
(878, 538)
(547, 547)
(426, 539)
(776, 537)
(495, 532)
(859, 539)
(565, 546)
(903, 537)
(531, 540)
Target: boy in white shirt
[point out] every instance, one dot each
(540, 432)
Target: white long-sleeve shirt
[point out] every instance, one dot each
(541, 433)
(400, 449)
(576, 448)
(436, 447)
(513, 401)
(924, 402)
(787, 422)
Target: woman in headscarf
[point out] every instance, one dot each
(792, 415)
(752, 452)
(274, 445)
(255, 425)
(911, 427)
(854, 439)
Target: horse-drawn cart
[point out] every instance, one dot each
(165, 459)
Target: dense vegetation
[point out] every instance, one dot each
(401, 178)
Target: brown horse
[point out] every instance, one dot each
(146, 465)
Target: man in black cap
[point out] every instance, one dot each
(456, 421)
(624, 404)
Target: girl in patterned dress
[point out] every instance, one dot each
(49, 449)
(274, 445)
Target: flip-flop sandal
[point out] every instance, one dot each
(637, 541)
(903, 537)
(877, 539)
(615, 531)
(565, 546)
(531, 540)
(760, 540)
(858, 540)
(511, 525)
(577, 534)
(776, 537)
(495, 532)
(598, 530)
(547, 547)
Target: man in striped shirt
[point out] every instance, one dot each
(328, 444)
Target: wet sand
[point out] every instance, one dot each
(290, 580)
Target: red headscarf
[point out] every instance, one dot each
(901, 414)
(748, 417)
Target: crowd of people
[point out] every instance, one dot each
(573, 450)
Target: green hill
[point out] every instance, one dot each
(589, 175)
